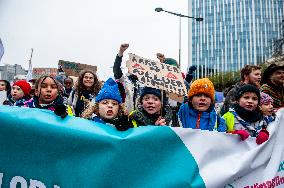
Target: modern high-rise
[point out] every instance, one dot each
(233, 33)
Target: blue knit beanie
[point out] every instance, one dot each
(149, 90)
(109, 91)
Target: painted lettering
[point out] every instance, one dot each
(1, 179)
(133, 59)
(36, 184)
(18, 180)
(176, 69)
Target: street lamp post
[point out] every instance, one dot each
(180, 16)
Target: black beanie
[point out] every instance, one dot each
(149, 90)
(247, 88)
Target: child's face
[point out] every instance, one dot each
(248, 101)
(17, 92)
(201, 102)
(267, 109)
(2, 86)
(68, 83)
(88, 80)
(151, 104)
(47, 91)
(108, 109)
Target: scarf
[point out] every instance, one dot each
(247, 115)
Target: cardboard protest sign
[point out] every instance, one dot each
(73, 69)
(157, 75)
(38, 72)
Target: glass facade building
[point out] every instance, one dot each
(234, 33)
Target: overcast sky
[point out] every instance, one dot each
(89, 31)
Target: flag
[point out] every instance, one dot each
(41, 150)
(1, 49)
(30, 70)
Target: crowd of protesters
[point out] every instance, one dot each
(124, 102)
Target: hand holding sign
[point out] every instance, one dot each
(161, 57)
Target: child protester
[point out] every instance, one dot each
(19, 94)
(108, 108)
(266, 107)
(152, 109)
(199, 112)
(245, 118)
(47, 97)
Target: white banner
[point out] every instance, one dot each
(226, 161)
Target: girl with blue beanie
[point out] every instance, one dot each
(107, 107)
(199, 112)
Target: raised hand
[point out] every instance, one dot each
(122, 49)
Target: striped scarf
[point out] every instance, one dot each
(276, 93)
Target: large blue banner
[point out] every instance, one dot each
(39, 149)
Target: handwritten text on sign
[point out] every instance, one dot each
(157, 75)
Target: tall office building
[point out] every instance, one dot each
(233, 33)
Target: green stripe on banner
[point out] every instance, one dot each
(40, 149)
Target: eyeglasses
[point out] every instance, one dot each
(68, 83)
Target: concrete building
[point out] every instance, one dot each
(9, 72)
(233, 33)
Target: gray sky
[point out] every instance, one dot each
(89, 31)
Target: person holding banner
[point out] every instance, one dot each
(47, 97)
(151, 110)
(108, 108)
(199, 112)
(86, 88)
(245, 118)
(129, 81)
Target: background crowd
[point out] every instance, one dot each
(124, 102)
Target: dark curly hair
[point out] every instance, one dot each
(80, 87)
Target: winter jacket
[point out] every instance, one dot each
(235, 122)
(78, 103)
(11, 102)
(131, 85)
(34, 103)
(191, 118)
(140, 117)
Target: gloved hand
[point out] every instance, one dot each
(189, 74)
(60, 110)
(242, 133)
(123, 124)
(263, 136)
(191, 69)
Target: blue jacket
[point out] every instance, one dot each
(208, 120)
